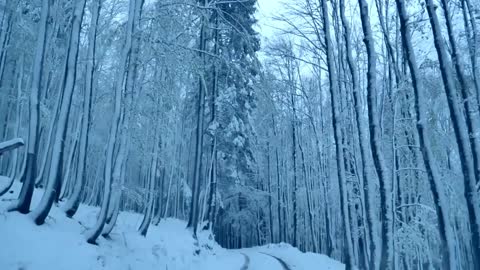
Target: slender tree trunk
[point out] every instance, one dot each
(154, 177)
(25, 197)
(434, 178)
(7, 22)
(47, 152)
(134, 12)
(309, 201)
(18, 114)
(194, 205)
(294, 161)
(386, 255)
(41, 212)
(269, 189)
(469, 98)
(335, 112)
(279, 206)
(118, 179)
(461, 134)
(365, 149)
(74, 201)
(71, 164)
(472, 38)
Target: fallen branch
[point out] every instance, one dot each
(11, 145)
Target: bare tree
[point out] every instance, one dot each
(461, 136)
(335, 112)
(25, 197)
(74, 201)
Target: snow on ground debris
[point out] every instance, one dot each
(60, 245)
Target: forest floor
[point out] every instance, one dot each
(60, 245)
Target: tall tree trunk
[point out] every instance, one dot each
(70, 161)
(41, 212)
(294, 161)
(134, 12)
(472, 38)
(335, 112)
(18, 121)
(461, 134)
(118, 178)
(386, 256)
(154, 177)
(47, 152)
(365, 149)
(309, 201)
(25, 197)
(211, 203)
(269, 189)
(469, 98)
(74, 201)
(200, 110)
(277, 167)
(434, 178)
(7, 23)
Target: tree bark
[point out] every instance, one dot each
(335, 112)
(200, 110)
(74, 201)
(434, 178)
(41, 212)
(25, 197)
(365, 148)
(461, 134)
(386, 256)
(134, 11)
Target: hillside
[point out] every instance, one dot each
(60, 244)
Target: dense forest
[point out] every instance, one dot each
(352, 132)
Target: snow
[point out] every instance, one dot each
(295, 259)
(60, 244)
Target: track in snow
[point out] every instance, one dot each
(246, 263)
(282, 262)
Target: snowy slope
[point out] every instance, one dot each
(60, 244)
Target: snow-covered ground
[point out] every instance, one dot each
(60, 245)
(294, 258)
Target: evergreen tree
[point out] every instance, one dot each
(236, 80)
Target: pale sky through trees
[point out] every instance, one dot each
(267, 9)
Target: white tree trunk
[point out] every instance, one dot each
(25, 197)
(365, 150)
(41, 212)
(434, 177)
(335, 112)
(134, 10)
(461, 133)
(386, 254)
(74, 201)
